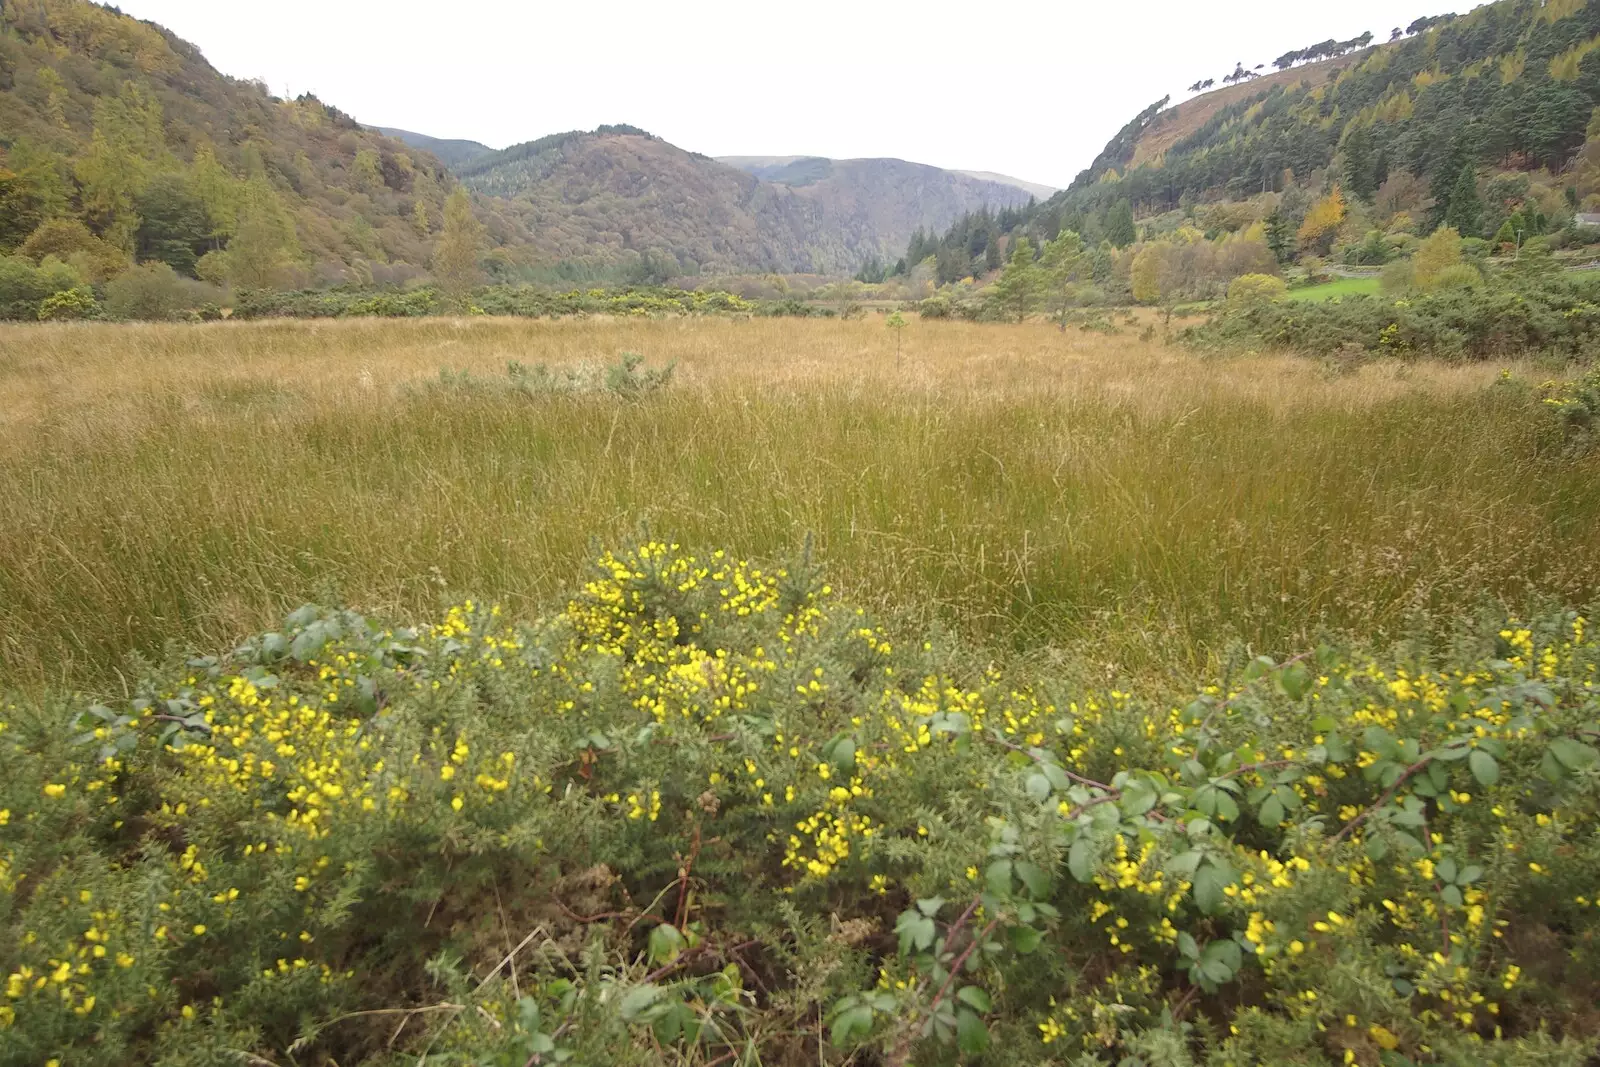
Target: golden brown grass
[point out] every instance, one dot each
(1029, 487)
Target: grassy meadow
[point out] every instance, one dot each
(1051, 493)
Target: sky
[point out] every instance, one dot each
(1029, 89)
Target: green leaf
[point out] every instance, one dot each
(1295, 680)
(972, 1037)
(916, 931)
(1138, 798)
(930, 906)
(1187, 945)
(1036, 880)
(998, 878)
(1025, 939)
(1038, 788)
(1573, 755)
(1376, 848)
(1228, 808)
(849, 1024)
(637, 1000)
(1272, 812)
(1484, 767)
(1080, 859)
(1209, 882)
(974, 997)
(666, 943)
(1057, 777)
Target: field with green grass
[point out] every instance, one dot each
(461, 692)
(1367, 286)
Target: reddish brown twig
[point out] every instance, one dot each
(1381, 801)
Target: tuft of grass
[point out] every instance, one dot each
(1038, 491)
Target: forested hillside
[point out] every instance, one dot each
(621, 195)
(120, 143)
(1476, 121)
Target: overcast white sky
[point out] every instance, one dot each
(1031, 89)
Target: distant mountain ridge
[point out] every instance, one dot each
(452, 153)
(787, 169)
(619, 193)
(123, 133)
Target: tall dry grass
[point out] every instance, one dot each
(1031, 488)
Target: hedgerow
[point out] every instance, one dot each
(519, 300)
(707, 814)
(1557, 315)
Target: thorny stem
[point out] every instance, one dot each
(1381, 801)
(902, 1050)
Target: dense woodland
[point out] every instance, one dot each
(1483, 123)
(121, 144)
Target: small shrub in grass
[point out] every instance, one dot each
(68, 305)
(151, 292)
(1256, 288)
(706, 814)
(1575, 404)
(627, 377)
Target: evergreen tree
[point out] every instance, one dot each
(1360, 164)
(1060, 264)
(1017, 291)
(1444, 176)
(1465, 212)
(173, 227)
(1119, 224)
(455, 258)
(991, 253)
(1280, 238)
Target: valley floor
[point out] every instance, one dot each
(1039, 491)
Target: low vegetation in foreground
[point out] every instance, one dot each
(708, 814)
(1169, 710)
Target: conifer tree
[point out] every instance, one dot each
(1465, 212)
(1060, 265)
(1278, 235)
(1120, 230)
(1017, 291)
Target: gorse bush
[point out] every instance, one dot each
(1460, 319)
(705, 814)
